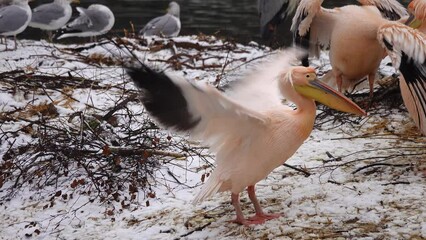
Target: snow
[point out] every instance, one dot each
(335, 201)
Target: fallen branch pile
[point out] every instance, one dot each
(109, 151)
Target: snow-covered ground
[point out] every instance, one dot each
(367, 175)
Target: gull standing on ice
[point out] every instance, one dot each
(250, 131)
(14, 18)
(167, 25)
(96, 20)
(52, 16)
(4, 3)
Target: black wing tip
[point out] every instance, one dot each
(133, 71)
(137, 75)
(143, 69)
(414, 76)
(142, 75)
(163, 98)
(387, 44)
(391, 15)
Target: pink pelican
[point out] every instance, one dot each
(250, 130)
(351, 34)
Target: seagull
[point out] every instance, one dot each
(14, 18)
(52, 16)
(167, 25)
(4, 3)
(96, 20)
(250, 130)
(351, 34)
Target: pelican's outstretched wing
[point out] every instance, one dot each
(390, 9)
(198, 108)
(202, 110)
(407, 49)
(258, 89)
(312, 27)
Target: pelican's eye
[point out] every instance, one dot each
(310, 76)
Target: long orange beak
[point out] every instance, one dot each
(326, 95)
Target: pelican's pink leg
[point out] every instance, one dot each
(371, 78)
(235, 199)
(339, 81)
(260, 216)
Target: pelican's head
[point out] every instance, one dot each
(304, 81)
(417, 10)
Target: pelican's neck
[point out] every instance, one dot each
(306, 108)
(304, 105)
(422, 28)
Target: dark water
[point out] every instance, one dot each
(235, 19)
